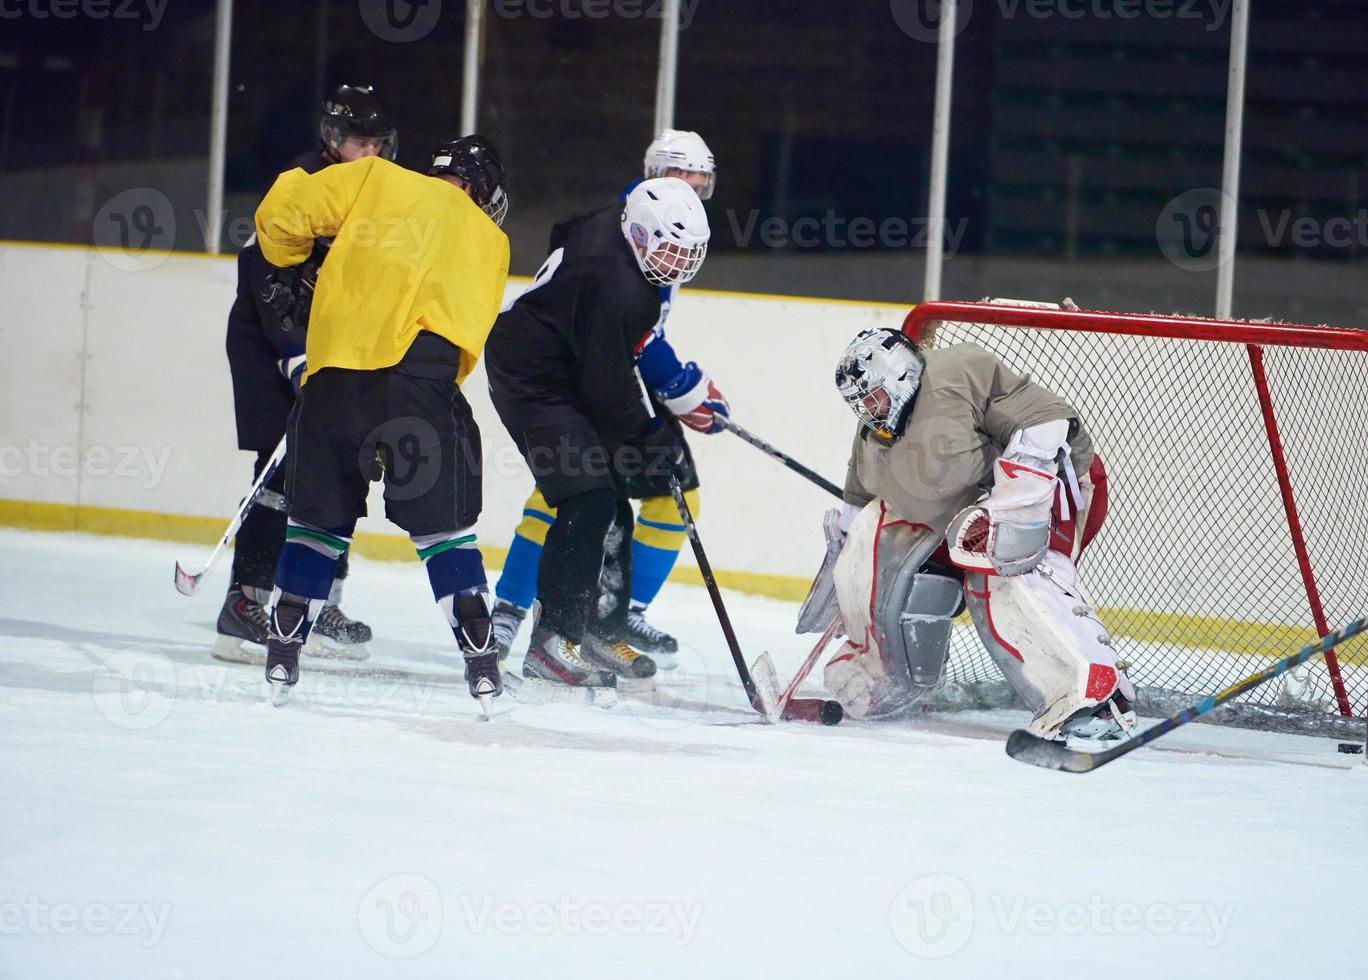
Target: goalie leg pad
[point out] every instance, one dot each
(1042, 632)
(875, 577)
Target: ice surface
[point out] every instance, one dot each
(159, 819)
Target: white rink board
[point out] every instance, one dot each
(128, 370)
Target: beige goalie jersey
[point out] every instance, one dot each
(967, 409)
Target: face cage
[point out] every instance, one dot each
(333, 136)
(660, 170)
(497, 206)
(886, 430)
(684, 264)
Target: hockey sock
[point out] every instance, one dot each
(309, 559)
(567, 581)
(656, 545)
(518, 580)
(256, 548)
(456, 572)
(610, 612)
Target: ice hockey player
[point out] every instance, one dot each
(682, 392)
(266, 359)
(562, 373)
(401, 311)
(969, 484)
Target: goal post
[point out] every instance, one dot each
(1237, 521)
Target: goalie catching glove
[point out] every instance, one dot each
(1008, 533)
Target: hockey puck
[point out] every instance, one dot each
(831, 713)
(1351, 748)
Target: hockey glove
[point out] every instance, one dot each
(694, 400)
(292, 368)
(289, 292)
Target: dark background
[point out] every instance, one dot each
(1071, 131)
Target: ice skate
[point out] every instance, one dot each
(506, 621)
(634, 670)
(554, 671)
(289, 628)
(243, 619)
(1111, 721)
(485, 679)
(337, 635)
(651, 640)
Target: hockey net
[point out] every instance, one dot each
(1237, 524)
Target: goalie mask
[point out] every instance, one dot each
(667, 229)
(878, 376)
(475, 161)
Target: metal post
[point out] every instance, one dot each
(1230, 176)
(940, 150)
(470, 72)
(218, 124)
(669, 66)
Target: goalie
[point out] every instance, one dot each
(968, 485)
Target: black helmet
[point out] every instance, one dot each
(474, 159)
(355, 110)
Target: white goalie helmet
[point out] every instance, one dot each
(667, 228)
(681, 149)
(878, 376)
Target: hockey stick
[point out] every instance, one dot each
(787, 460)
(1037, 751)
(187, 582)
(764, 696)
(811, 661)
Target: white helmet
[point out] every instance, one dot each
(667, 228)
(878, 376)
(681, 149)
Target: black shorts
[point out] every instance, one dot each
(408, 425)
(569, 459)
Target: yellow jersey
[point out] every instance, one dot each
(409, 253)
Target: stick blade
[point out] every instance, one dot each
(186, 583)
(1047, 754)
(766, 680)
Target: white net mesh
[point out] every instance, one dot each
(1195, 571)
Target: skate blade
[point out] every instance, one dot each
(233, 650)
(325, 648)
(535, 690)
(281, 694)
(486, 706)
(635, 685)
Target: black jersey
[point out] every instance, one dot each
(568, 345)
